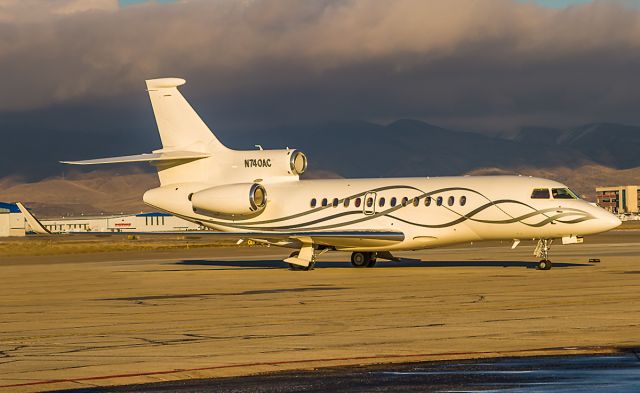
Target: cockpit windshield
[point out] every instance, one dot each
(540, 193)
(563, 193)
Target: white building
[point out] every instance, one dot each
(13, 223)
(11, 220)
(144, 222)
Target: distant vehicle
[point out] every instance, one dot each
(258, 195)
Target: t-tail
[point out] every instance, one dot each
(195, 168)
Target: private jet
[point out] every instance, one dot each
(258, 195)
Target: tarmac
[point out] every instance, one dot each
(85, 320)
(613, 373)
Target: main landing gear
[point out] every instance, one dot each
(363, 259)
(310, 266)
(542, 251)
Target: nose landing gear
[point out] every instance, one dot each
(544, 264)
(542, 251)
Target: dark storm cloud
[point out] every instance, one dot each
(477, 64)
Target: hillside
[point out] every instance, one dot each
(415, 148)
(582, 157)
(98, 192)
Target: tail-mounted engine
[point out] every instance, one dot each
(244, 199)
(272, 162)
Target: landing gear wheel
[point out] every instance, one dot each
(359, 259)
(295, 267)
(544, 264)
(363, 259)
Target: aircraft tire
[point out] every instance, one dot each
(360, 259)
(544, 264)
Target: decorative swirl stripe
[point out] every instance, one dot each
(340, 201)
(308, 225)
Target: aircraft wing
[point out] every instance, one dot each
(340, 239)
(35, 225)
(356, 238)
(155, 157)
(306, 241)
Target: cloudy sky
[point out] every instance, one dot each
(471, 64)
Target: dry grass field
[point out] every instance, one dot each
(86, 244)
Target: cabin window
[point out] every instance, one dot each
(463, 200)
(358, 202)
(405, 201)
(381, 202)
(416, 201)
(369, 202)
(563, 193)
(427, 201)
(393, 201)
(439, 201)
(314, 202)
(335, 202)
(540, 193)
(346, 202)
(451, 200)
(324, 202)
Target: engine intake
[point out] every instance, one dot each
(230, 200)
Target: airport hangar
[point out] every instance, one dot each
(13, 223)
(143, 222)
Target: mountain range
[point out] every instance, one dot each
(582, 157)
(415, 148)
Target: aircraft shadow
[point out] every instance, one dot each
(278, 264)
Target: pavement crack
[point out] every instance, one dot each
(479, 299)
(7, 353)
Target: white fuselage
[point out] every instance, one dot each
(437, 211)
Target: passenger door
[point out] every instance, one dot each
(369, 203)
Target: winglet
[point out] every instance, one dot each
(33, 222)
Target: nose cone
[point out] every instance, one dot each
(608, 221)
(614, 221)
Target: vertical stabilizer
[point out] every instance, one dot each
(179, 125)
(181, 129)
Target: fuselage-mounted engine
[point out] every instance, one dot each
(298, 162)
(231, 200)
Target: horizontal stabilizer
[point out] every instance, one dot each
(150, 157)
